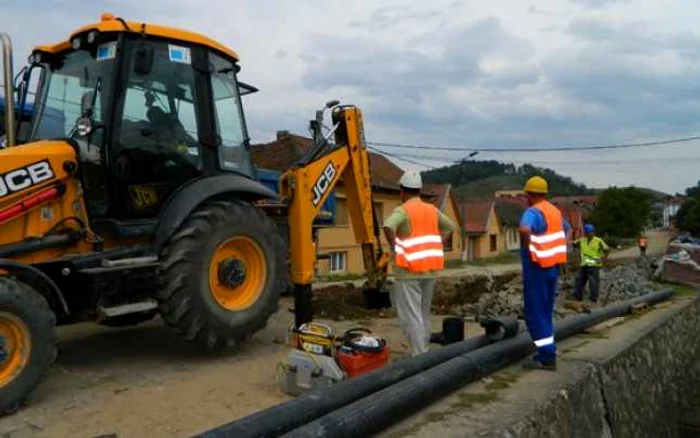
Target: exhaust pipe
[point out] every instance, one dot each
(382, 409)
(303, 409)
(9, 89)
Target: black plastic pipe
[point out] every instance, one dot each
(379, 410)
(286, 416)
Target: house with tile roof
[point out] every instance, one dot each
(483, 229)
(337, 240)
(509, 211)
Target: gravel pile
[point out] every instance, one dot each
(619, 283)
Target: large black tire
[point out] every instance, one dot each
(185, 295)
(29, 315)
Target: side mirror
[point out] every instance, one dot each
(143, 63)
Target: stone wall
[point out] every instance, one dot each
(640, 386)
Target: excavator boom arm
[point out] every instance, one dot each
(307, 186)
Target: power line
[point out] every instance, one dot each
(452, 160)
(407, 160)
(691, 161)
(560, 149)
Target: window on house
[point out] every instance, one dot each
(493, 242)
(341, 212)
(338, 262)
(513, 236)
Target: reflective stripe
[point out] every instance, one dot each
(545, 341)
(548, 237)
(407, 243)
(543, 253)
(428, 253)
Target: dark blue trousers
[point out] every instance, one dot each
(540, 288)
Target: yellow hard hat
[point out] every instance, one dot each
(536, 184)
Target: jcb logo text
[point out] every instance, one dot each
(25, 177)
(323, 183)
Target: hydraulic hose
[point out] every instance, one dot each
(381, 409)
(286, 416)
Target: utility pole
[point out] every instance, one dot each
(463, 225)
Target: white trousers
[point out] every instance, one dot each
(412, 299)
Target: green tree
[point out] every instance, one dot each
(492, 171)
(693, 192)
(621, 212)
(688, 216)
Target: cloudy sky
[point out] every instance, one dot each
(456, 73)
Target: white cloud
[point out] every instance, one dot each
(488, 74)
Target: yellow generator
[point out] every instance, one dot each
(130, 192)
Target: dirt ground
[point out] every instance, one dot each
(145, 382)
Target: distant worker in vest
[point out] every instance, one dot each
(415, 232)
(543, 236)
(594, 251)
(642, 242)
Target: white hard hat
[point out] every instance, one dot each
(411, 180)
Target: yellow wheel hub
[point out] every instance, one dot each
(237, 273)
(16, 348)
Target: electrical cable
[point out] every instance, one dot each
(387, 154)
(556, 149)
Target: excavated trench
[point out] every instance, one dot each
(490, 295)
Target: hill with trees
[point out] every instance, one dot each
(480, 179)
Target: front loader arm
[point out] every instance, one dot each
(306, 187)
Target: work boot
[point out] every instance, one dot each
(534, 364)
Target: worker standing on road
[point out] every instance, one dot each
(415, 231)
(543, 251)
(642, 242)
(594, 251)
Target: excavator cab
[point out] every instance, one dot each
(147, 112)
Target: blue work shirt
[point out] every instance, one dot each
(534, 219)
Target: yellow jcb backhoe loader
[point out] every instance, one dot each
(131, 192)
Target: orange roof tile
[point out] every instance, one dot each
(281, 154)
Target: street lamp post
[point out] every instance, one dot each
(464, 209)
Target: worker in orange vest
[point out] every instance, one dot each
(642, 242)
(543, 251)
(415, 231)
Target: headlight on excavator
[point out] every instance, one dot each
(91, 37)
(35, 58)
(75, 43)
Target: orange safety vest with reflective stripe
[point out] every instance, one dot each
(422, 250)
(549, 249)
